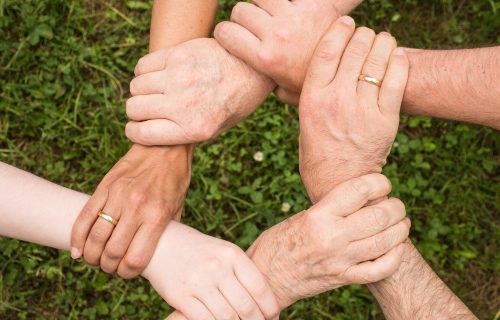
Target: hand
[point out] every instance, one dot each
(143, 191)
(348, 126)
(336, 242)
(191, 93)
(278, 37)
(208, 278)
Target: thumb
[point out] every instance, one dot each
(352, 195)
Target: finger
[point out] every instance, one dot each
(272, 6)
(176, 315)
(252, 18)
(381, 243)
(373, 271)
(155, 61)
(352, 195)
(148, 107)
(253, 281)
(371, 220)
(286, 96)
(240, 42)
(140, 251)
(393, 87)
(354, 57)
(240, 299)
(375, 66)
(157, 132)
(326, 58)
(119, 242)
(149, 83)
(195, 310)
(217, 305)
(85, 221)
(101, 231)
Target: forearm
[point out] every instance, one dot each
(38, 211)
(416, 292)
(35, 210)
(174, 22)
(455, 84)
(177, 21)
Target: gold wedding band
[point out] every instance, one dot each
(370, 80)
(108, 218)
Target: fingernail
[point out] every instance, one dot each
(347, 20)
(399, 51)
(75, 253)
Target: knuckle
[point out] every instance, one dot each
(327, 51)
(379, 181)
(267, 58)
(204, 132)
(397, 207)
(380, 216)
(246, 307)
(230, 253)
(370, 276)
(114, 252)
(135, 262)
(361, 186)
(357, 50)
(98, 235)
(138, 198)
(382, 243)
(375, 62)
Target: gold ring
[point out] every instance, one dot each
(370, 80)
(108, 218)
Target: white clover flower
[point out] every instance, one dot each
(285, 207)
(258, 156)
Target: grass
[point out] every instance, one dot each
(64, 73)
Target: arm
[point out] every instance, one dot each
(202, 276)
(295, 255)
(455, 84)
(416, 292)
(177, 21)
(146, 188)
(334, 122)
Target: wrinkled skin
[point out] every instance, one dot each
(191, 93)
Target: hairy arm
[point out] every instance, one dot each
(455, 84)
(416, 292)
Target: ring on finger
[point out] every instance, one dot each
(370, 80)
(108, 218)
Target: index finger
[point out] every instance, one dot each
(155, 61)
(326, 58)
(85, 221)
(353, 195)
